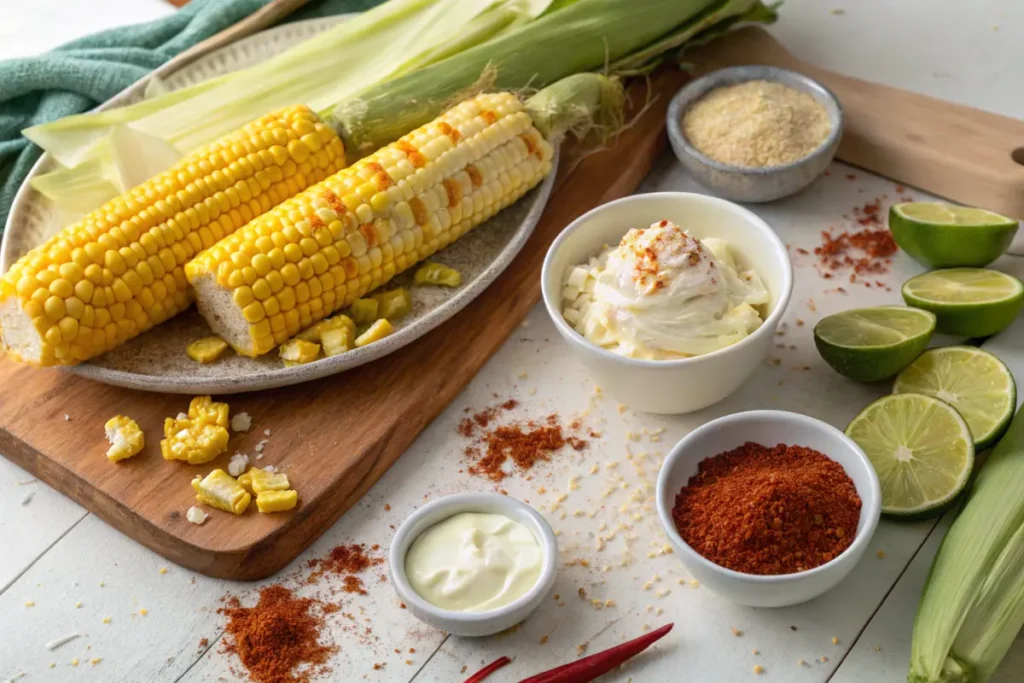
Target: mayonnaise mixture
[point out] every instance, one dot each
(662, 294)
(474, 562)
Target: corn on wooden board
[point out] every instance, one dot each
(334, 437)
(961, 153)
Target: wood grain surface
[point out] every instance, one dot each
(950, 150)
(334, 437)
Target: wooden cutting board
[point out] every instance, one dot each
(961, 153)
(334, 437)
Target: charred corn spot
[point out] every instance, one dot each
(437, 274)
(277, 501)
(375, 332)
(220, 490)
(394, 304)
(125, 437)
(298, 351)
(206, 350)
(199, 436)
(119, 271)
(364, 311)
(369, 234)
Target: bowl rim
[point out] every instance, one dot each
(698, 88)
(871, 505)
(768, 326)
(472, 502)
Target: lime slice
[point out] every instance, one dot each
(968, 302)
(920, 448)
(870, 344)
(975, 382)
(943, 235)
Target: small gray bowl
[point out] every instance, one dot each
(742, 184)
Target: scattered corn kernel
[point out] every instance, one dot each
(364, 311)
(220, 490)
(835, 641)
(297, 352)
(106, 620)
(198, 437)
(263, 480)
(245, 481)
(207, 349)
(30, 603)
(95, 660)
(394, 304)
(339, 339)
(276, 501)
(437, 274)
(376, 332)
(143, 611)
(195, 515)
(125, 437)
(758, 669)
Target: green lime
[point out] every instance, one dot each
(869, 344)
(975, 382)
(943, 235)
(921, 449)
(968, 302)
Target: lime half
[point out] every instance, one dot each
(968, 302)
(943, 235)
(870, 344)
(920, 448)
(975, 382)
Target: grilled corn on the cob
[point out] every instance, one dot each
(325, 248)
(120, 270)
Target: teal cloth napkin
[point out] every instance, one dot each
(82, 74)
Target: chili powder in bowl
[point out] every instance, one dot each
(768, 508)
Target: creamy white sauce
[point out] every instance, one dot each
(474, 562)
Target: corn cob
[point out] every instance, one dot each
(325, 248)
(120, 270)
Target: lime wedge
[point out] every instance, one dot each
(870, 344)
(968, 302)
(943, 235)
(920, 448)
(975, 382)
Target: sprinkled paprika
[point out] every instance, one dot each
(768, 509)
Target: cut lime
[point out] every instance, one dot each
(968, 302)
(943, 235)
(975, 382)
(870, 344)
(920, 448)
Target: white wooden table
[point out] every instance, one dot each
(78, 571)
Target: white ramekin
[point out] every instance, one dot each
(688, 384)
(473, 623)
(768, 427)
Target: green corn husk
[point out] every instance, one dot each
(973, 602)
(586, 35)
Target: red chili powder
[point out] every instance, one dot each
(768, 510)
(277, 640)
(344, 560)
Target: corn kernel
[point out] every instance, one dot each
(220, 490)
(125, 437)
(437, 274)
(298, 351)
(364, 311)
(200, 436)
(375, 332)
(276, 501)
(206, 350)
(393, 305)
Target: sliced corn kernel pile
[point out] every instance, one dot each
(125, 437)
(207, 349)
(276, 501)
(198, 437)
(394, 304)
(375, 332)
(220, 490)
(437, 274)
(263, 480)
(364, 311)
(297, 352)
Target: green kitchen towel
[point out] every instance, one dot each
(82, 74)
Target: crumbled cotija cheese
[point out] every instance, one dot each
(756, 124)
(196, 515)
(241, 422)
(239, 463)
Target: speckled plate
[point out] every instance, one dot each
(156, 360)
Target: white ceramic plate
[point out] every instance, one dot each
(156, 361)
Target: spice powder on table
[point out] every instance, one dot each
(768, 509)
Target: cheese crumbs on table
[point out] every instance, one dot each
(756, 124)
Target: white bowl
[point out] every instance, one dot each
(688, 384)
(473, 623)
(768, 427)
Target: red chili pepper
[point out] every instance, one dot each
(488, 670)
(589, 668)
